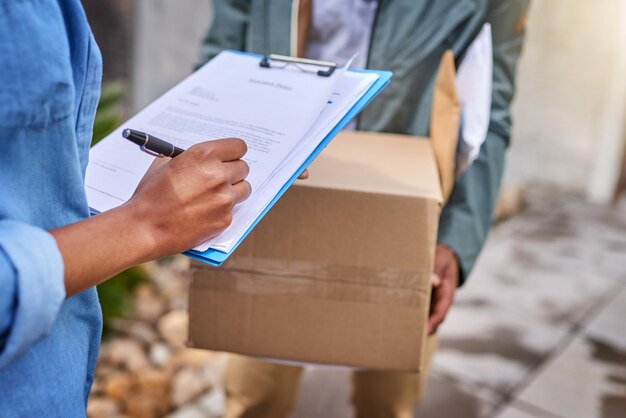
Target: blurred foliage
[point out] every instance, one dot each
(116, 294)
(109, 113)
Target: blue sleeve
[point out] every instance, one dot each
(32, 287)
(466, 218)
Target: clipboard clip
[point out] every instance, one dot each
(303, 64)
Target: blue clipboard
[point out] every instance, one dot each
(217, 258)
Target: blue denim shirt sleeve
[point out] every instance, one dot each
(50, 74)
(32, 289)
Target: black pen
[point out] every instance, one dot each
(151, 144)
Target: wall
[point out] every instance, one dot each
(569, 113)
(110, 23)
(166, 44)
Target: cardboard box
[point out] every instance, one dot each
(339, 271)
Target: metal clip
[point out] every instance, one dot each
(299, 63)
(154, 154)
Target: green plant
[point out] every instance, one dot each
(116, 294)
(109, 113)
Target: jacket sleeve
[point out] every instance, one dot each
(466, 218)
(228, 30)
(32, 289)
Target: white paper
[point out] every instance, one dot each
(350, 89)
(281, 114)
(232, 96)
(474, 85)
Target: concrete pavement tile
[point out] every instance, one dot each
(213, 403)
(554, 264)
(189, 411)
(324, 392)
(587, 380)
(490, 346)
(583, 233)
(609, 325)
(514, 411)
(610, 218)
(518, 409)
(529, 278)
(445, 397)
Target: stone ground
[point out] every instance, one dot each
(538, 332)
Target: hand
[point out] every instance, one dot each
(304, 175)
(189, 199)
(445, 281)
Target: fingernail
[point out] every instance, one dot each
(436, 280)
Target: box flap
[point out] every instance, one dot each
(445, 122)
(380, 163)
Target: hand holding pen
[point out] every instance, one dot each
(197, 189)
(159, 148)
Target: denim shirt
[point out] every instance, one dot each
(50, 75)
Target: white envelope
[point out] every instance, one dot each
(474, 85)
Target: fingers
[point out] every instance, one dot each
(236, 171)
(442, 261)
(438, 310)
(436, 280)
(445, 281)
(304, 175)
(241, 191)
(441, 301)
(228, 149)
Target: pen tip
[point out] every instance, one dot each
(126, 133)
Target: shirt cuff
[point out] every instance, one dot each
(457, 231)
(31, 268)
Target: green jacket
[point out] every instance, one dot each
(409, 38)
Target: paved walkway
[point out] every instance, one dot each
(538, 332)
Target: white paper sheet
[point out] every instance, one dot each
(282, 115)
(229, 97)
(474, 85)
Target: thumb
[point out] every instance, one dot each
(436, 280)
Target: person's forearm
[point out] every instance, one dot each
(466, 218)
(97, 248)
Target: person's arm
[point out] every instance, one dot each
(466, 218)
(228, 29)
(31, 286)
(179, 204)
